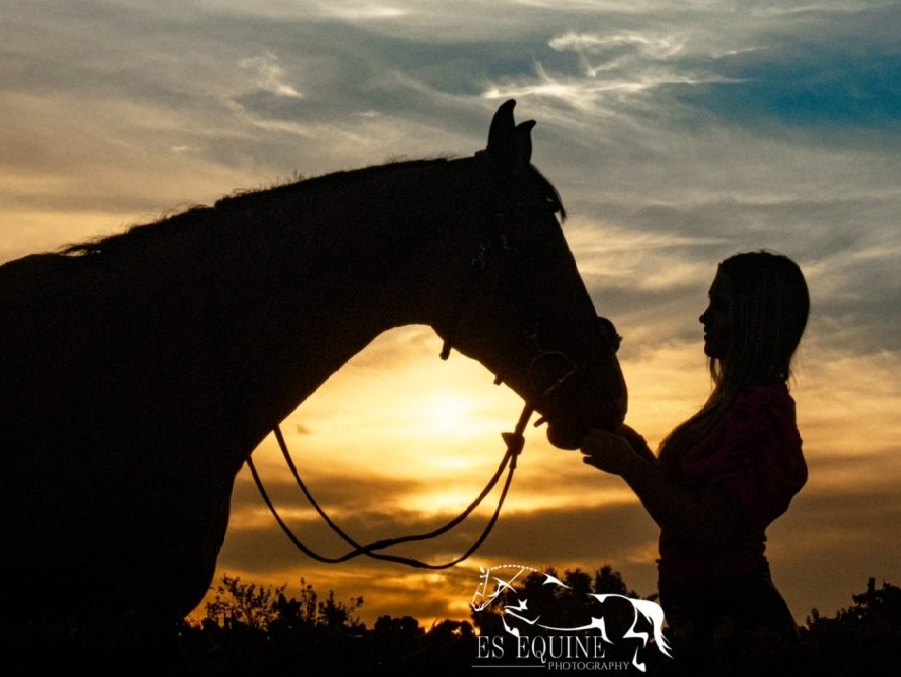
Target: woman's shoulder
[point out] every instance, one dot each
(759, 400)
(758, 416)
(765, 434)
(764, 416)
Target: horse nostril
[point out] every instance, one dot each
(548, 372)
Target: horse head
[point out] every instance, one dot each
(525, 312)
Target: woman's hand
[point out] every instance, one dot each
(609, 452)
(638, 443)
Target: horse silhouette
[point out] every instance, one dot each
(139, 371)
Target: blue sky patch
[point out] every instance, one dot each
(797, 88)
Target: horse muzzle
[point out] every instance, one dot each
(584, 401)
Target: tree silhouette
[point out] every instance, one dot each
(238, 603)
(862, 639)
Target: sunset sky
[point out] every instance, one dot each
(678, 133)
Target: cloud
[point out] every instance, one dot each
(353, 11)
(563, 538)
(270, 75)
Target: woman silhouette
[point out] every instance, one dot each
(723, 476)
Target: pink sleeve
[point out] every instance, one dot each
(754, 455)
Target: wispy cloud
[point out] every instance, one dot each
(354, 11)
(270, 75)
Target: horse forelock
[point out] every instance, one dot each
(551, 195)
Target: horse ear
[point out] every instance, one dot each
(502, 136)
(524, 141)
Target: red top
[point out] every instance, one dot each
(752, 458)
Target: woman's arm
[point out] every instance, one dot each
(705, 517)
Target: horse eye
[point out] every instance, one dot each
(607, 332)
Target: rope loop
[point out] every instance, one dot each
(515, 443)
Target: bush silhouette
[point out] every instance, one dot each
(862, 639)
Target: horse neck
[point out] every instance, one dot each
(307, 284)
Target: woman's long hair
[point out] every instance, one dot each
(768, 308)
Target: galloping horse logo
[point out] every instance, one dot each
(517, 616)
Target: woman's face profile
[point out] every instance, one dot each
(716, 319)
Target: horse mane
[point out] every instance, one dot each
(204, 216)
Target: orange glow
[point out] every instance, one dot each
(446, 414)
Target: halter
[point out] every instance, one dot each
(541, 362)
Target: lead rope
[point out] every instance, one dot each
(515, 443)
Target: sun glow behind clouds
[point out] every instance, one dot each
(397, 402)
(446, 414)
